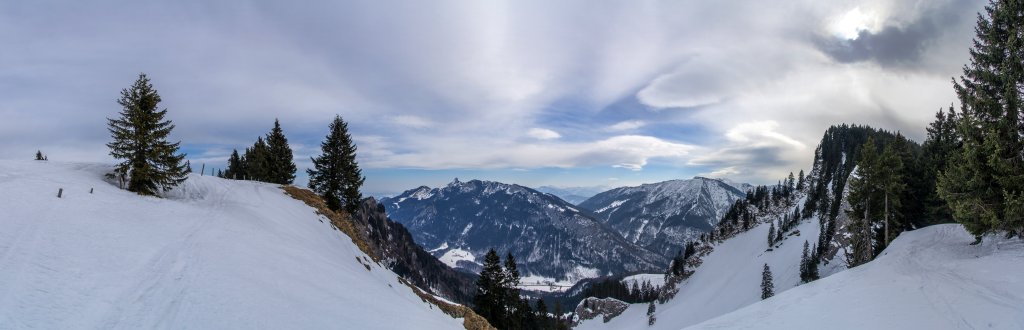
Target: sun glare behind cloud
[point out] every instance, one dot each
(849, 25)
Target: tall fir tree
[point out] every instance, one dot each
(544, 320)
(257, 161)
(234, 170)
(650, 313)
(517, 312)
(281, 169)
(767, 284)
(489, 300)
(805, 261)
(149, 163)
(864, 200)
(336, 175)
(39, 155)
(812, 264)
(938, 147)
(984, 180)
(889, 176)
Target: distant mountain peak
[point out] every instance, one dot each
(662, 216)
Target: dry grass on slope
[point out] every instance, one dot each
(342, 221)
(339, 219)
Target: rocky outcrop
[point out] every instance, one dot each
(606, 308)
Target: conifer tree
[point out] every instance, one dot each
(984, 182)
(281, 166)
(336, 175)
(812, 264)
(889, 178)
(805, 261)
(234, 170)
(510, 285)
(149, 163)
(863, 198)
(489, 298)
(39, 155)
(257, 161)
(771, 235)
(543, 318)
(767, 285)
(800, 181)
(650, 313)
(938, 147)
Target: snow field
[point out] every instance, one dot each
(214, 254)
(930, 278)
(728, 279)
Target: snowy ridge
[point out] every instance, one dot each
(214, 254)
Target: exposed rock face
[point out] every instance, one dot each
(590, 308)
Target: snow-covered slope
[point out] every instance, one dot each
(931, 278)
(728, 279)
(216, 254)
(663, 216)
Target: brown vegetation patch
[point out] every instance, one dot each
(470, 319)
(343, 222)
(340, 219)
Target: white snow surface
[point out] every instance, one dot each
(729, 279)
(535, 282)
(611, 206)
(453, 256)
(217, 254)
(654, 279)
(931, 278)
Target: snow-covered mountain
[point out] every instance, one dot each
(931, 278)
(663, 216)
(551, 238)
(574, 195)
(214, 253)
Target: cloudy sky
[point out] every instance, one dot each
(563, 93)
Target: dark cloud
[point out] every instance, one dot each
(898, 45)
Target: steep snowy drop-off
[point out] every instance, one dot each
(214, 254)
(930, 278)
(728, 279)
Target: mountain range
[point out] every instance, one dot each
(551, 238)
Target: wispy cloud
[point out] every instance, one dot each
(495, 84)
